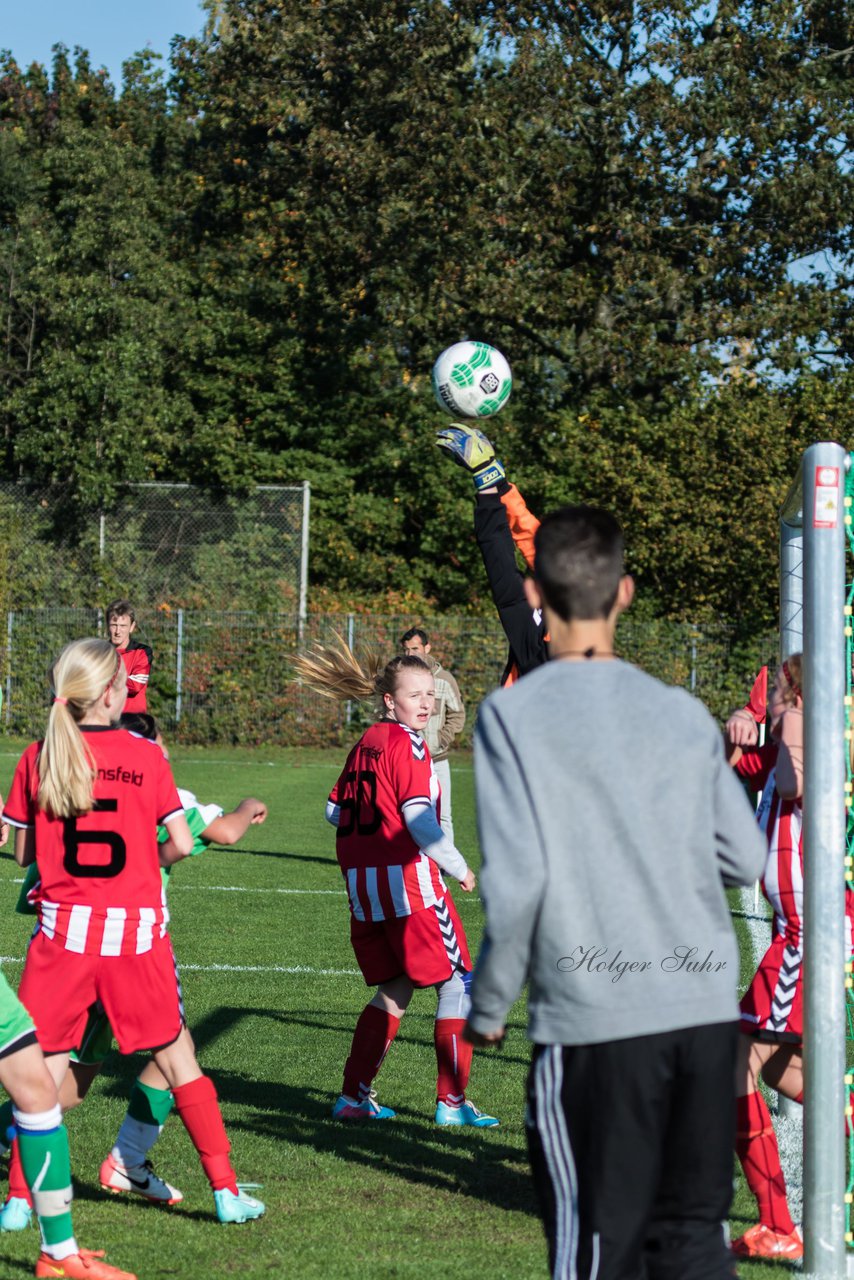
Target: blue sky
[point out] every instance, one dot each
(110, 29)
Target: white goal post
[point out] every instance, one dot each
(813, 593)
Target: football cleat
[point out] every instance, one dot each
(85, 1265)
(762, 1241)
(368, 1109)
(237, 1208)
(15, 1214)
(465, 1114)
(140, 1179)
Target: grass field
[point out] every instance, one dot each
(272, 993)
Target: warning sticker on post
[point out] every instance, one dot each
(826, 506)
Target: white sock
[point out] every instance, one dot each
(64, 1249)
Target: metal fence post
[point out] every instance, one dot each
(10, 619)
(824, 468)
(350, 625)
(102, 546)
(179, 667)
(303, 567)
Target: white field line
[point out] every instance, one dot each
(236, 888)
(260, 764)
(242, 968)
(789, 1127)
(465, 900)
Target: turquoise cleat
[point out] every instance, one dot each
(237, 1208)
(15, 1214)
(465, 1114)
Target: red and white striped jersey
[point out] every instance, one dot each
(386, 873)
(783, 880)
(782, 821)
(101, 890)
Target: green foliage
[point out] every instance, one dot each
(241, 269)
(226, 677)
(91, 401)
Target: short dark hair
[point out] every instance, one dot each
(140, 722)
(578, 562)
(414, 633)
(121, 609)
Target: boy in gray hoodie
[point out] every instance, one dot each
(610, 825)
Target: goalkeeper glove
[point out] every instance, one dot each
(471, 449)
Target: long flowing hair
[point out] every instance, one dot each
(335, 671)
(66, 766)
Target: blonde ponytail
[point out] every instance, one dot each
(66, 767)
(334, 671)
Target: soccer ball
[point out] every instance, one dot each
(472, 380)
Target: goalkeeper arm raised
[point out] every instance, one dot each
(473, 451)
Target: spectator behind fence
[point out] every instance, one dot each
(446, 721)
(138, 658)
(610, 824)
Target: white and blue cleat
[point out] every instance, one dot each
(237, 1208)
(465, 1114)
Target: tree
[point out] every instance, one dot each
(246, 273)
(94, 305)
(615, 195)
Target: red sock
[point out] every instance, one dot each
(196, 1104)
(372, 1040)
(453, 1060)
(17, 1183)
(756, 1146)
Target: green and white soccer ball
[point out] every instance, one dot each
(472, 380)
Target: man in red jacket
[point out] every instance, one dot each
(121, 624)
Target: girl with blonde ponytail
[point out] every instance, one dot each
(83, 672)
(86, 803)
(404, 927)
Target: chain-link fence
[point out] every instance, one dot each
(221, 677)
(172, 545)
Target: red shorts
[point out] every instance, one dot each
(140, 994)
(426, 947)
(772, 1007)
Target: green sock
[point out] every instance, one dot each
(149, 1106)
(47, 1169)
